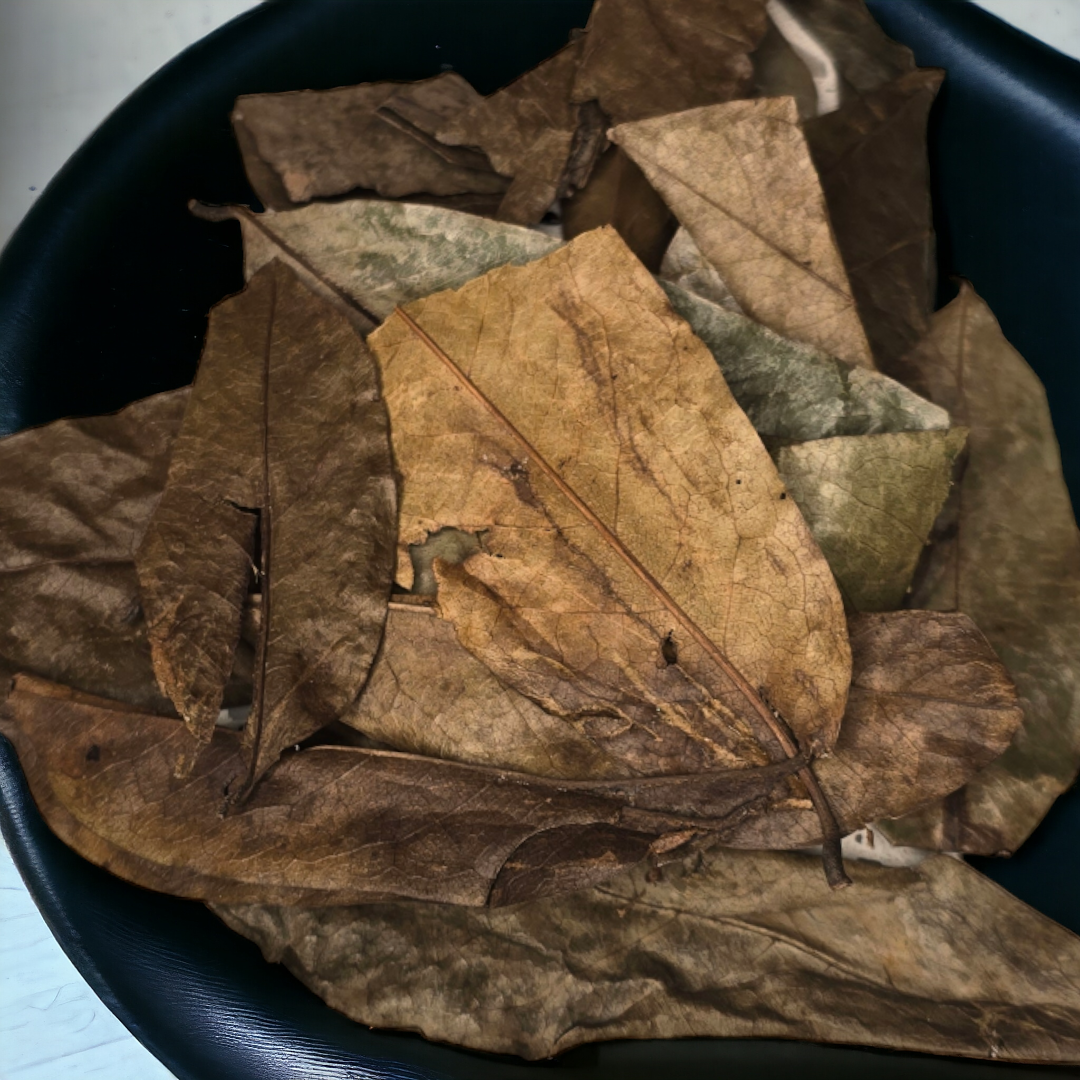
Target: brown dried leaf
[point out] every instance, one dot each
(618, 194)
(284, 439)
(644, 58)
(872, 161)
(563, 413)
(930, 704)
(75, 497)
(312, 143)
(527, 130)
(429, 695)
(1007, 553)
(344, 825)
(733, 944)
(871, 501)
(740, 178)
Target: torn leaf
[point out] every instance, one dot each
(528, 129)
(75, 497)
(644, 58)
(308, 144)
(280, 482)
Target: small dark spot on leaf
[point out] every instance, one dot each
(94, 753)
(669, 650)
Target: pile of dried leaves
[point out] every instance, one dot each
(489, 623)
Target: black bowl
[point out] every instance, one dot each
(104, 292)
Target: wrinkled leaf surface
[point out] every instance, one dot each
(733, 944)
(307, 144)
(75, 497)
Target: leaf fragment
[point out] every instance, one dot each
(644, 58)
(871, 501)
(1006, 552)
(284, 439)
(934, 958)
(619, 195)
(528, 129)
(685, 266)
(740, 179)
(308, 144)
(875, 174)
(75, 497)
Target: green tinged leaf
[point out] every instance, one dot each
(794, 392)
(870, 501)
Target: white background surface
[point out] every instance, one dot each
(64, 66)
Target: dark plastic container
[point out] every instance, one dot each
(104, 292)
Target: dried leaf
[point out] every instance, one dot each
(871, 501)
(741, 945)
(740, 178)
(285, 440)
(369, 256)
(527, 129)
(75, 497)
(930, 704)
(339, 825)
(590, 471)
(344, 825)
(429, 695)
(312, 143)
(644, 58)
(618, 194)
(793, 392)
(875, 174)
(1007, 553)
(685, 266)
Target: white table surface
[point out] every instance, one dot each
(64, 65)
